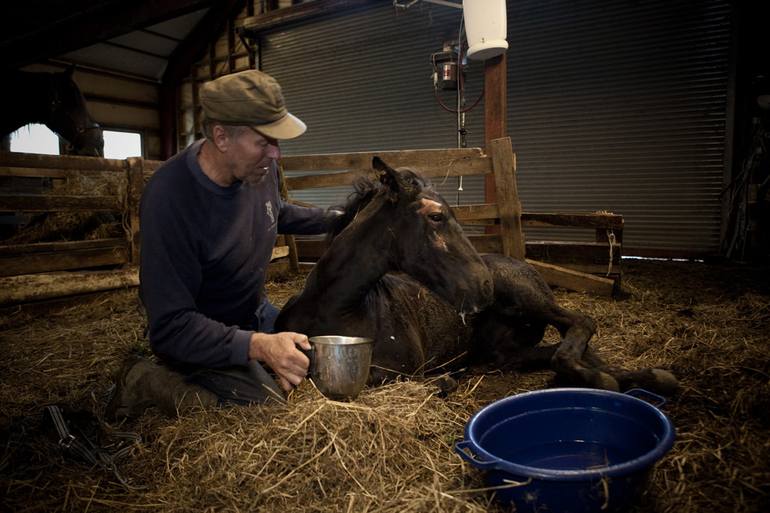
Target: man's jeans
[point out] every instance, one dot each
(243, 385)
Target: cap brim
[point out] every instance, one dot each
(288, 127)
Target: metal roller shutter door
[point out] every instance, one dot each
(618, 106)
(622, 106)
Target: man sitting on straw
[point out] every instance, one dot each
(210, 216)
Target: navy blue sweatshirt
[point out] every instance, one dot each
(204, 254)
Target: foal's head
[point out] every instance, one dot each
(427, 242)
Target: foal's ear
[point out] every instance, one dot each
(392, 178)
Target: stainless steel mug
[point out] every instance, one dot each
(339, 366)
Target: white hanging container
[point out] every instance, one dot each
(486, 28)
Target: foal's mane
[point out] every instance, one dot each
(364, 190)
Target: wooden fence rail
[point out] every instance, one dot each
(601, 257)
(122, 199)
(586, 266)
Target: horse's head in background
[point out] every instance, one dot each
(55, 100)
(69, 117)
(421, 235)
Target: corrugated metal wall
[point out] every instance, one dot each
(618, 106)
(622, 106)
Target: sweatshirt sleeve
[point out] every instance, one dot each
(297, 220)
(170, 279)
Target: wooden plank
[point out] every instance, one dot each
(294, 183)
(479, 211)
(12, 315)
(43, 262)
(38, 287)
(564, 253)
(252, 25)
(344, 168)
(50, 203)
(596, 269)
(42, 172)
(301, 203)
(310, 250)
(488, 243)
(504, 166)
(279, 252)
(482, 211)
(135, 185)
(17, 250)
(83, 164)
(573, 280)
(581, 220)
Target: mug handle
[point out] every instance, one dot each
(310, 353)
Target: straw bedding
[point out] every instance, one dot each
(391, 449)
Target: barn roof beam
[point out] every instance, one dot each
(40, 36)
(180, 64)
(192, 48)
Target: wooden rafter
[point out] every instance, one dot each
(44, 33)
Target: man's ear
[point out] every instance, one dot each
(220, 137)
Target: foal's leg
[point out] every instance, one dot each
(522, 296)
(655, 380)
(568, 360)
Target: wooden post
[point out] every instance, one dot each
(504, 168)
(495, 110)
(293, 258)
(135, 174)
(168, 120)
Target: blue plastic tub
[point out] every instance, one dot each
(568, 450)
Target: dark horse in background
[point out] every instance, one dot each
(400, 270)
(53, 99)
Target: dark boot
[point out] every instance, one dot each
(142, 383)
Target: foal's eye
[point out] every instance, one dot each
(436, 217)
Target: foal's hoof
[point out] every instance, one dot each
(605, 381)
(665, 382)
(446, 385)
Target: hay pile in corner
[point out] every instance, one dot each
(390, 450)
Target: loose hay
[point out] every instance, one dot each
(70, 226)
(391, 449)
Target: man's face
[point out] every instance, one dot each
(252, 155)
